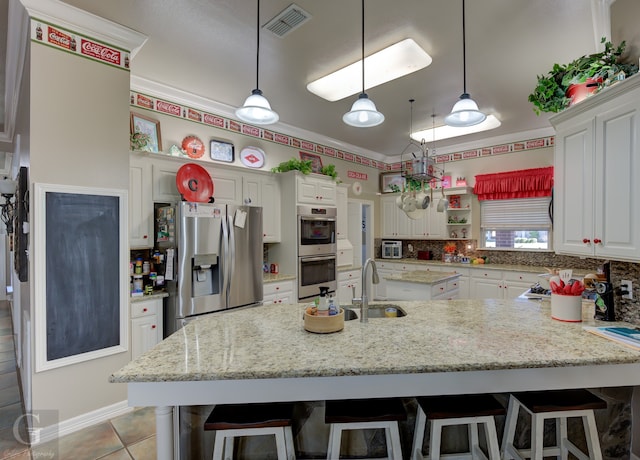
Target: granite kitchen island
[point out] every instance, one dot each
(423, 285)
(440, 347)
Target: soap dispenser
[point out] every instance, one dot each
(323, 305)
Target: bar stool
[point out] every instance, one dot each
(236, 420)
(558, 405)
(365, 414)
(470, 410)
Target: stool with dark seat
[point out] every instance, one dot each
(236, 420)
(558, 405)
(365, 414)
(470, 410)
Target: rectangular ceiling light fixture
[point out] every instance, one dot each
(447, 132)
(396, 61)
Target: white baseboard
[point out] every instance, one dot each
(49, 433)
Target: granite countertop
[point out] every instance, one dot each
(506, 267)
(273, 278)
(422, 277)
(269, 342)
(155, 295)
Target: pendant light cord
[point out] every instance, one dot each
(258, 45)
(464, 52)
(362, 46)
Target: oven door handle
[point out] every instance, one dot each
(316, 259)
(318, 219)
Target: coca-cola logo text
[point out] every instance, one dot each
(99, 51)
(58, 38)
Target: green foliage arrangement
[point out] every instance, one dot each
(606, 67)
(304, 166)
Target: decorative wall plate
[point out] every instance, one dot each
(252, 157)
(193, 146)
(221, 150)
(357, 188)
(194, 183)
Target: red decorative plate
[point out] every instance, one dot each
(194, 183)
(193, 146)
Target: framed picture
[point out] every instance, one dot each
(150, 127)
(316, 161)
(389, 179)
(221, 151)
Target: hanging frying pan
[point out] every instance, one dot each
(194, 184)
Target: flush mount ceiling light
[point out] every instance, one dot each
(393, 62)
(465, 112)
(363, 113)
(256, 108)
(447, 132)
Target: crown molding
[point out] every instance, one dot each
(163, 91)
(82, 22)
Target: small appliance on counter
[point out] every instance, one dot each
(392, 249)
(604, 305)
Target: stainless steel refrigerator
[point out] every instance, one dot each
(213, 259)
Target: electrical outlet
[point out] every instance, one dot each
(627, 285)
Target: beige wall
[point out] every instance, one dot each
(79, 136)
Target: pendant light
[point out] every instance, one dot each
(465, 112)
(363, 112)
(256, 108)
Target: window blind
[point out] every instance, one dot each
(525, 214)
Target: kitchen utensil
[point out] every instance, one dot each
(443, 203)
(399, 200)
(409, 204)
(565, 275)
(415, 214)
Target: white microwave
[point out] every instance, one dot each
(392, 249)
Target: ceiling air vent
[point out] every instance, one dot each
(287, 20)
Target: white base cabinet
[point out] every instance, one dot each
(347, 282)
(279, 292)
(596, 186)
(146, 325)
(498, 284)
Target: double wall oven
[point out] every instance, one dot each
(316, 250)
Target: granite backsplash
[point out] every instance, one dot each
(626, 310)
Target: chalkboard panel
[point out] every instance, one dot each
(83, 241)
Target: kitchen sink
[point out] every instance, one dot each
(375, 311)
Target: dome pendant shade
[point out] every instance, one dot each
(257, 110)
(363, 113)
(465, 113)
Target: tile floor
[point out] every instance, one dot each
(130, 436)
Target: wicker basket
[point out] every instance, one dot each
(324, 324)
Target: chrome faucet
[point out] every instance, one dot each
(363, 301)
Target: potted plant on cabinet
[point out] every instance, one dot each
(567, 84)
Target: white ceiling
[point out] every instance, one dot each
(208, 48)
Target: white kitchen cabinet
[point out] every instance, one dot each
(140, 203)
(227, 186)
(596, 211)
(316, 189)
(164, 188)
(279, 292)
(386, 269)
(430, 226)
(395, 223)
(264, 191)
(347, 281)
(498, 284)
(146, 325)
(342, 224)
(405, 290)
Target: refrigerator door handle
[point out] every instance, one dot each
(226, 269)
(231, 254)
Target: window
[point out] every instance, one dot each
(521, 224)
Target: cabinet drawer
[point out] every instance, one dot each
(486, 274)
(438, 290)
(349, 275)
(521, 276)
(146, 308)
(452, 285)
(275, 288)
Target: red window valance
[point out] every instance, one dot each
(525, 183)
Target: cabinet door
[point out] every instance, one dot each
(271, 210)
(342, 225)
(617, 166)
(388, 217)
(486, 289)
(327, 191)
(314, 190)
(140, 204)
(227, 186)
(574, 189)
(437, 229)
(145, 334)
(347, 281)
(164, 182)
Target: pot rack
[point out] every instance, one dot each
(422, 167)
